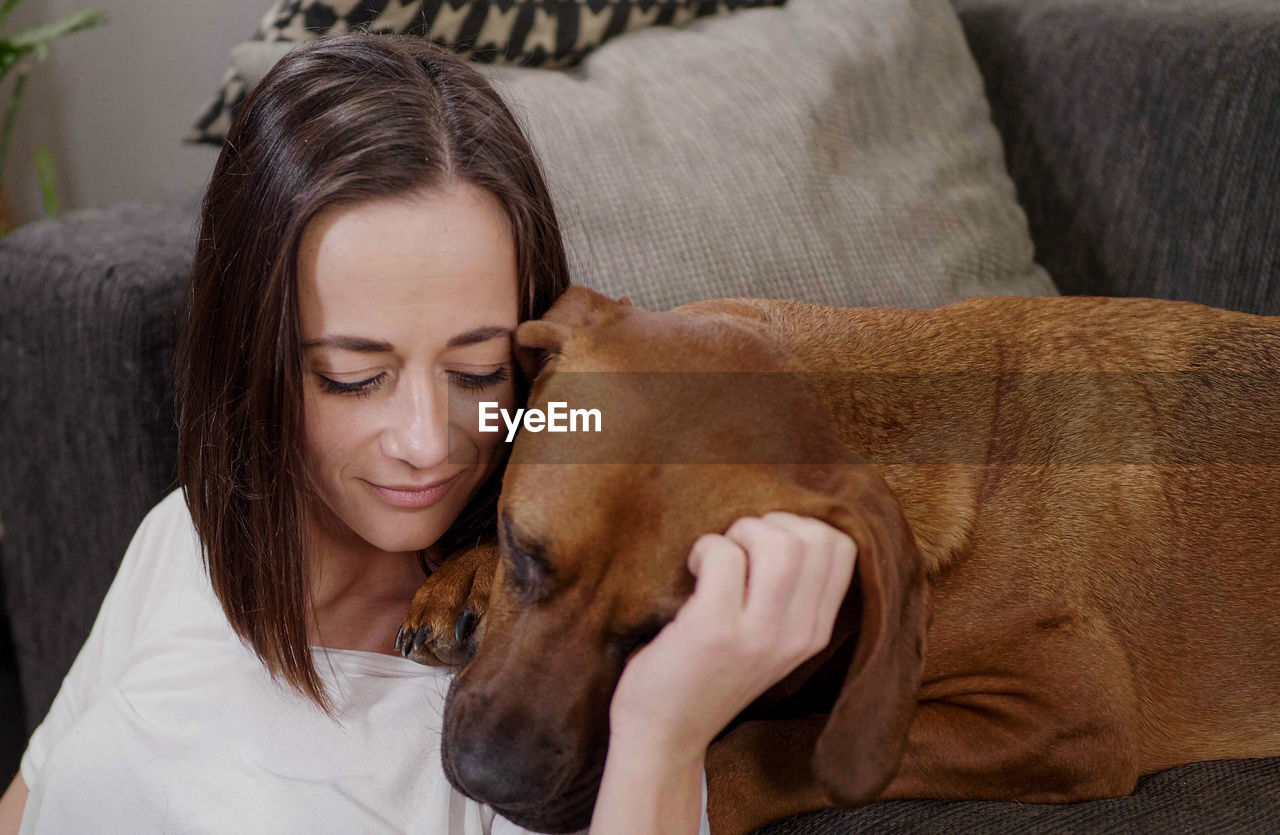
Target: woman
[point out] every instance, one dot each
(374, 229)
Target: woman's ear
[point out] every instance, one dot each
(861, 746)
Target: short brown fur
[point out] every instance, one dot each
(1068, 520)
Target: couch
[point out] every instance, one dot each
(1142, 139)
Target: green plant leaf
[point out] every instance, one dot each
(39, 37)
(10, 55)
(45, 176)
(6, 8)
(10, 111)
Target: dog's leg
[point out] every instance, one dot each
(446, 621)
(761, 772)
(1044, 716)
(1012, 746)
(997, 746)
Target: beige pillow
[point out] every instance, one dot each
(832, 151)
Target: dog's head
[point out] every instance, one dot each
(702, 420)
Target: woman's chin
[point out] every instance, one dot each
(406, 541)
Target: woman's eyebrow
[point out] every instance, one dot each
(478, 335)
(373, 346)
(349, 343)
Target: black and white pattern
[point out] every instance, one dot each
(551, 34)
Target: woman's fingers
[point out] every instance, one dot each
(844, 558)
(828, 570)
(775, 559)
(769, 588)
(808, 609)
(765, 599)
(803, 567)
(720, 566)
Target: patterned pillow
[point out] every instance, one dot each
(839, 152)
(526, 33)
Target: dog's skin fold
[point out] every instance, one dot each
(1067, 513)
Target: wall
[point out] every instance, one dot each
(112, 103)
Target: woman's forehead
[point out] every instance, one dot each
(446, 257)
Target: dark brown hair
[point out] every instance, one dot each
(337, 121)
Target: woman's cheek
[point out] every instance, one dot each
(316, 423)
(328, 424)
(464, 412)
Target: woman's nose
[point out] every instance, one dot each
(417, 430)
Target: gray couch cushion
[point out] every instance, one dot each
(831, 151)
(88, 321)
(1143, 138)
(1240, 797)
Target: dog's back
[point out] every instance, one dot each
(1099, 467)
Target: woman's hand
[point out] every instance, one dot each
(765, 600)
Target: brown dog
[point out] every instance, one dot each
(1067, 513)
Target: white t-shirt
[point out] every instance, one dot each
(167, 722)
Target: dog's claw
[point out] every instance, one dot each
(446, 621)
(399, 637)
(465, 624)
(424, 632)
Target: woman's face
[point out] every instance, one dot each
(406, 308)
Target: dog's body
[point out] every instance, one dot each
(1083, 493)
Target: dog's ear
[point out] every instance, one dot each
(539, 341)
(861, 747)
(582, 307)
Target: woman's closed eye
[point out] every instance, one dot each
(364, 388)
(478, 382)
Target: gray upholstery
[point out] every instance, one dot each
(1141, 137)
(1225, 796)
(87, 435)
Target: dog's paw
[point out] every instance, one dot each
(446, 621)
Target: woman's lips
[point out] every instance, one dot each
(413, 498)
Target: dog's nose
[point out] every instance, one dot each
(493, 754)
(497, 773)
(481, 775)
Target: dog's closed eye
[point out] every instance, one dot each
(636, 637)
(529, 573)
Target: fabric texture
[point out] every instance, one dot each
(1142, 136)
(838, 152)
(832, 151)
(527, 33)
(167, 722)
(90, 300)
(1240, 797)
(88, 323)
